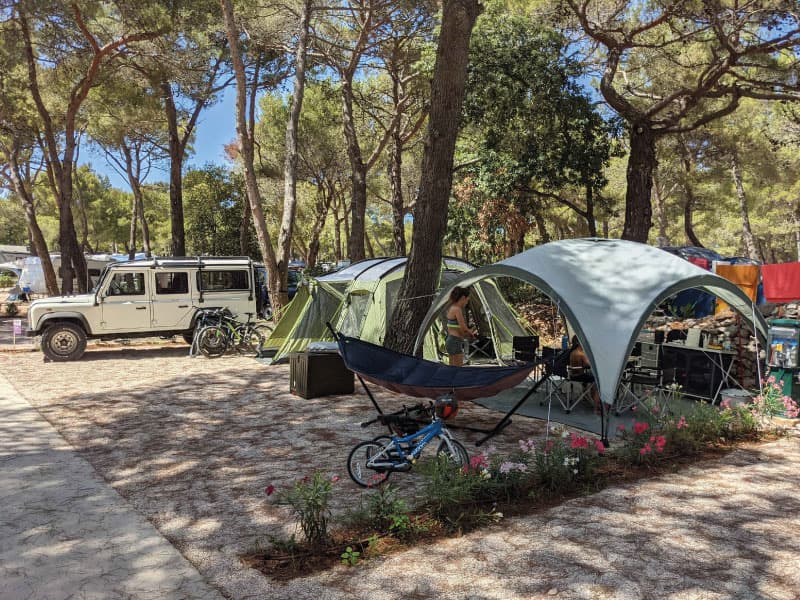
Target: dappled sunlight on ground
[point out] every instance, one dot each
(191, 443)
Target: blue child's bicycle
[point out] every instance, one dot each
(370, 463)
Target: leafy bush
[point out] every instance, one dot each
(566, 461)
(384, 507)
(11, 309)
(309, 499)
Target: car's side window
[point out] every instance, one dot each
(172, 283)
(223, 281)
(127, 284)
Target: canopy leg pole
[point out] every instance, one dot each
(371, 397)
(506, 420)
(604, 423)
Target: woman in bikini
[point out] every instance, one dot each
(457, 330)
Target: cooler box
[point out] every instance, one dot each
(315, 374)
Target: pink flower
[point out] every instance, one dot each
(646, 449)
(771, 379)
(578, 441)
(634, 408)
(478, 461)
(548, 445)
(726, 404)
(620, 427)
(681, 423)
(599, 446)
(334, 479)
(655, 409)
(270, 490)
(639, 428)
(661, 441)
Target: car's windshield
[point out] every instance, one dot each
(100, 280)
(295, 277)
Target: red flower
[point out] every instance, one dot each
(270, 490)
(640, 427)
(578, 441)
(599, 446)
(646, 449)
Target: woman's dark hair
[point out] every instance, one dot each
(575, 342)
(458, 293)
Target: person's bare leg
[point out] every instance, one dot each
(456, 360)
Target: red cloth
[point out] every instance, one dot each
(703, 263)
(781, 282)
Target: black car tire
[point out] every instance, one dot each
(62, 342)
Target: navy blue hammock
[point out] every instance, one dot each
(427, 379)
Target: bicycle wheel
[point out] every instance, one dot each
(459, 455)
(248, 340)
(357, 465)
(264, 329)
(212, 341)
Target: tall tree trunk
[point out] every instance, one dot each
(139, 196)
(244, 229)
(590, 210)
(337, 232)
(368, 244)
(248, 155)
(85, 246)
(396, 181)
(747, 233)
(176, 151)
(661, 211)
(641, 163)
(132, 236)
(319, 223)
(689, 203)
(430, 216)
(358, 177)
(290, 164)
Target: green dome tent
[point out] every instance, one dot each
(359, 299)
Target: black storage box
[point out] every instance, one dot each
(315, 374)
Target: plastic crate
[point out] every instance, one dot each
(312, 375)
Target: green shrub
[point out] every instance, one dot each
(11, 309)
(384, 506)
(309, 500)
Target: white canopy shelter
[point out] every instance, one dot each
(606, 289)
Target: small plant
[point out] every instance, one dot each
(350, 557)
(384, 506)
(773, 402)
(309, 498)
(566, 461)
(11, 309)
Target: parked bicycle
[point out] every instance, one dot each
(217, 331)
(371, 463)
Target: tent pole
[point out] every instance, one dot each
(758, 357)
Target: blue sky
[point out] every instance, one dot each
(215, 129)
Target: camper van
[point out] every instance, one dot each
(32, 277)
(143, 298)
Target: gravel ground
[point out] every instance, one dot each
(191, 443)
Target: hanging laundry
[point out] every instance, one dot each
(744, 276)
(781, 282)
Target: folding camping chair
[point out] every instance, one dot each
(647, 380)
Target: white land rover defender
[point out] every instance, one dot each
(144, 298)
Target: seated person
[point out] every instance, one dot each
(579, 365)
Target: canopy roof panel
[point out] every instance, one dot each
(606, 289)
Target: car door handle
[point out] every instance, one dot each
(141, 307)
(183, 306)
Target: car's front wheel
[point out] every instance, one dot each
(62, 342)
